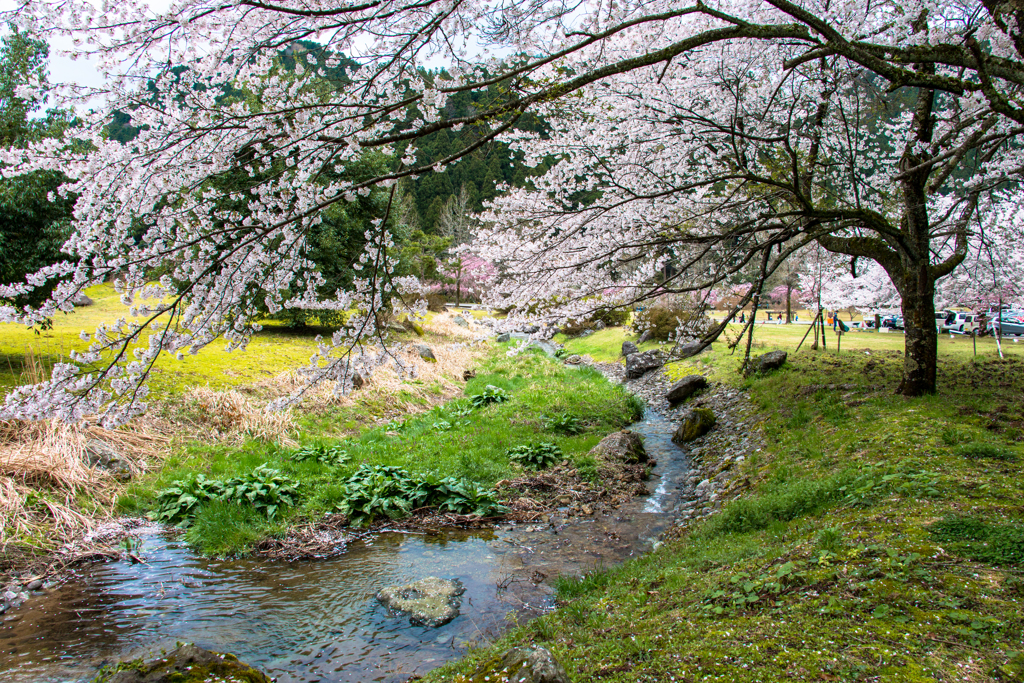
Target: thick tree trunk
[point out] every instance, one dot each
(922, 338)
(789, 303)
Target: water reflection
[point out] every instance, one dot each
(319, 621)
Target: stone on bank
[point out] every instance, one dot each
(694, 424)
(186, 664)
(521, 665)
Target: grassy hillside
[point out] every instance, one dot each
(881, 539)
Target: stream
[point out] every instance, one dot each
(318, 620)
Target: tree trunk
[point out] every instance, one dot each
(789, 303)
(922, 338)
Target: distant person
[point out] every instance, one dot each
(796, 317)
(769, 315)
(835, 321)
(743, 318)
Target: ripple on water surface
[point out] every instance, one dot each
(319, 620)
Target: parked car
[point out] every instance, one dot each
(960, 322)
(1012, 325)
(893, 322)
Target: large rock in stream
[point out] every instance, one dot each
(629, 348)
(639, 363)
(522, 665)
(624, 446)
(187, 664)
(685, 388)
(695, 423)
(429, 602)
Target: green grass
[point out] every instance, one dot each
(880, 541)
(606, 345)
(272, 351)
(452, 440)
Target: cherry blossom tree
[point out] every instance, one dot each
(693, 143)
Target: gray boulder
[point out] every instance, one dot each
(429, 602)
(599, 325)
(639, 363)
(522, 665)
(82, 299)
(622, 446)
(644, 337)
(186, 664)
(687, 350)
(460, 321)
(695, 423)
(629, 347)
(102, 455)
(503, 337)
(425, 352)
(530, 329)
(773, 360)
(685, 388)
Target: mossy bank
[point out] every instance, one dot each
(518, 414)
(880, 540)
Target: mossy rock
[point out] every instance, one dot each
(186, 664)
(623, 446)
(695, 423)
(520, 665)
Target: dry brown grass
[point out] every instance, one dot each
(442, 324)
(233, 414)
(433, 382)
(44, 468)
(51, 497)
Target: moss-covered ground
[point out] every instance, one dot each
(27, 354)
(881, 539)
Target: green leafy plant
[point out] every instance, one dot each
(377, 490)
(564, 423)
(490, 394)
(332, 456)
(265, 489)
(536, 456)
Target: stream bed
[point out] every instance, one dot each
(318, 620)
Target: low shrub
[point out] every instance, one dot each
(610, 317)
(378, 490)
(538, 456)
(264, 489)
(565, 423)
(665, 320)
(490, 394)
(332, 456)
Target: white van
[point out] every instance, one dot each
(961, 322)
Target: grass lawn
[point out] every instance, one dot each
(606, 345)
(275, 350)
(882, 539)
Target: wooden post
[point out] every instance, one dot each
(812, 326)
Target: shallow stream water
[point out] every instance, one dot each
(318, 620)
